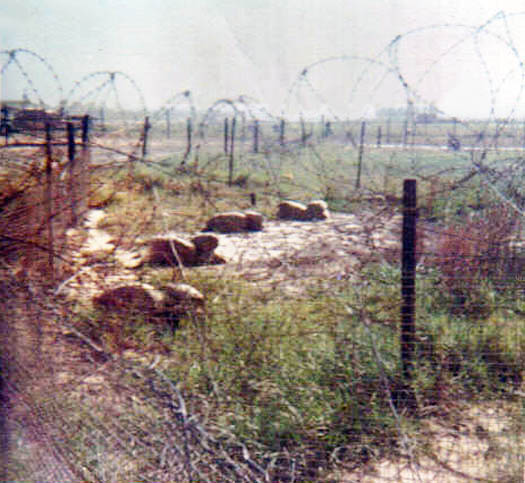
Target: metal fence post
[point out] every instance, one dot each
(168, 124)
(49, 204)
(303, 133)
(232, 145)
(281, 132)
(4, 123)
(226, 135)
(189, 131)
(405, 133)
(360, 155)
(408, 278)
(72, 171)
(147, 127)
(85, 160)
(256, 136)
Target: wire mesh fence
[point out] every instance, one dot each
(374, 336)
(294, 369)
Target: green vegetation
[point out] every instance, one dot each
(312, 378)
(321, 372)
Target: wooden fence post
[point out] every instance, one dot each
(303, 133)
(232, 145)
(147, 127)
(281, 132)
(378, 144)
(189, 131)
(4, 123)
(168, 124)
(85, 160)
(226, 136)
(405, 132)
(360, 155)
(49, 204)
(328, 129)
(85, 130)
(72, 171)
(256, 136)
(408, 279)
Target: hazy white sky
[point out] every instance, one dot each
(225, 48)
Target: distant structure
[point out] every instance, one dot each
(24, 116)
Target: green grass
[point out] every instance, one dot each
(303, 375)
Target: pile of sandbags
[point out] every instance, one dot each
(171, 249)
(166, 305)
(235, 222)
(292, 210)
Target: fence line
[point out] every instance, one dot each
(322, 363)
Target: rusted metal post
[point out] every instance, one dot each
(408, 278)
(360, 155)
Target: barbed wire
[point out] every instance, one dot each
(12, 58)
(144, 421)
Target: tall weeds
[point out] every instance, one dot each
(476, 252)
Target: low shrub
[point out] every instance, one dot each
(476, 256)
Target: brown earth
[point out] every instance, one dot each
(284, 253)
